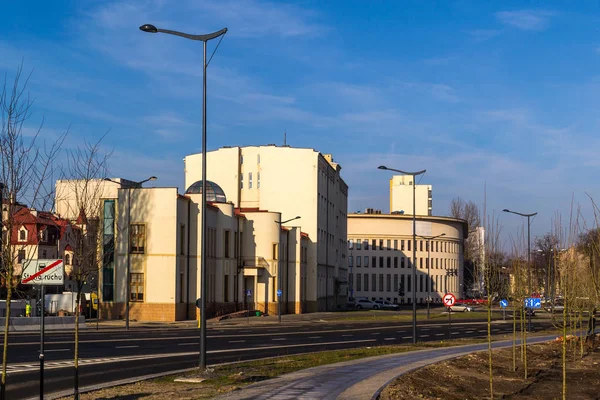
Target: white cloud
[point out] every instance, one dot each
(527, 20)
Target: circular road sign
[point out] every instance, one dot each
(503, 303)
(449, 299)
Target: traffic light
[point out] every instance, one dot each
(401, 289)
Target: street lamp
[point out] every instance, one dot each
(429, 239)
(128, 267)
(414, 272)
(279, 282)
(528, 250)
(204, 39)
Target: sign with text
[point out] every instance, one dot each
(43, 272)
(533, 302)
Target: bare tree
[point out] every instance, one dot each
(26, 167)
(469, 211)
(87, 168)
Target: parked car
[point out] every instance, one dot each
(367, 304)
(386, 305)
(460, 307)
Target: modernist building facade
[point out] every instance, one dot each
(295, 182)
(401, 196)
(381, 251)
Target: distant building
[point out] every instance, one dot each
(401, 196)
(380, 256)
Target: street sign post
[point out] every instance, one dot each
(42, 273)
(248, 295)
(533, 302)
(504, 304)
(449, 301)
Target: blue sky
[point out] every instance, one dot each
(501, 94)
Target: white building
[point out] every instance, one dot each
(401, 196)
(381, 257)
(295, 182)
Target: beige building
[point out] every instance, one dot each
(401, 196)
(380, 257)
(294, 182)
(249, 256)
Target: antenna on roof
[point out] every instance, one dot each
(284, 138)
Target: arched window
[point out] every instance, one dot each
(22, 234)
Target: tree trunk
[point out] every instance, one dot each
(5, 349)
(564, 352)
(514, 349)
(76, 356)
(490, 359)
(525, 348)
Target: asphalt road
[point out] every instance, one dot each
(114, 355)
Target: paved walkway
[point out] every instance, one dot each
(358, 379)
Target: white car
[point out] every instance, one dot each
(386, 305)
(460, 307)
(367, 304)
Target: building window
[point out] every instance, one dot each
(437, 246)
(226, 289)
(421, 283)
(402, 283)
(249, 180)
(366, 282)
(395, 262)
(395, 244)
(395, 283)
(358, 283)
(350, 261)
(108, 251)
(381, 282)
(427, 245)
(402, 245)
(389, 244)
(241, 159)
(421, 262)
(350, 244)
(380, 262)
(258, 159)
(358, 259)
(44, 235)
(380, 244)
(137, 287)
(241, 181)
(366, 262)
(389, 262)
(409, 244)
(408, 283)
(22, 235)
(137, 238)
(226, 245)
(373, 244)
(366, 244)
(67, 259)
(373, 282)
(21, 256)
(374, 262)
(258, 180)
(401, 262)
(388, 283)
(358, 241)
(421, 245)
(275, 246)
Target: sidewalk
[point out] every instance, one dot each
(358, 379)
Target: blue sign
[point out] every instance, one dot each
(249, 292)
(533, 302)
(503, 303)
(279, 292)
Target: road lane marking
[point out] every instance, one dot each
(314, 337)
(237, 341)
(189, 344)
(439, 334)
(126, 347)
(48, 351)
(423, 335)
(347, 335)
(389, 338)
(278, 338)
(406, 337)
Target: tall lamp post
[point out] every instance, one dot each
(128, 257)
(279, 282)
(429, 239)
(204, 39)
(528, 251)
(414, 266)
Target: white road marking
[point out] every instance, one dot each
(423, 335)
(439, 334)
(389, 338)
(237, 341)
(126, 347)
(189, 344)
(347, 335)
(278, 338)
(456, 333)
(406, 337)
(469, 332)
(48, 351)
(314, 337)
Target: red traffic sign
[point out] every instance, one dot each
(449, 299)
